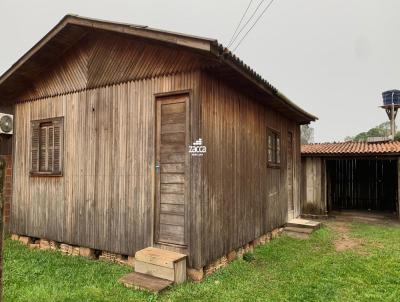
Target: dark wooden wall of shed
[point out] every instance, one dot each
(242, 197)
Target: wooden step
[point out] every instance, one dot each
(155, 270)
(303, 223)
(159, 257)
(145, 282)
(162, 264)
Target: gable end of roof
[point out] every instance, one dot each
(199, 44)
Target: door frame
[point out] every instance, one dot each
(156, 178)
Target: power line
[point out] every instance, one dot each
(259, 17)
(240, 22)
(247, 22)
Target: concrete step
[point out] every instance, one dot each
(298, 230)
(162, 264)
(296, 235)
(145, 282)
(304, 223)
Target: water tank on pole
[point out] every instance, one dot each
(391, 96)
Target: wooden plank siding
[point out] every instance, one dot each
(102, 59)
(242, 197)
(313, 182)
(105, 198)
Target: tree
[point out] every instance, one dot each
(307, 134)
(361, 137)
(382, 130)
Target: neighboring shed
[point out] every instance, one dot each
(107, 117)
(350, 176)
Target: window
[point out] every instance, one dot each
(274, 148)
(46, 147)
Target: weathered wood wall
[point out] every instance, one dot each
(313, 186)
(102, 59)
(105, 198)
(242, 197)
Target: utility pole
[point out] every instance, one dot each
(393, 119)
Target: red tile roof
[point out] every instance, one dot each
(351, 148)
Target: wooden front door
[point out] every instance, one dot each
(290, 175)
(171, 165)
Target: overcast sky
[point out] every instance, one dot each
(331, 57)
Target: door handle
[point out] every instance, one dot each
(157, 166)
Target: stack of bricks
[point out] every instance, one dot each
(87, 252)
(240, 253)
(34, 245)
(25, 240)
(108, 256)
(7, 190)
(54, 245)
(75, 251)
(44, 244)
(66, 249)
(195, 274)
(117, 258)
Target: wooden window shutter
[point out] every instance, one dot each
(43, 158)
(35, 147)
(50, 148)
(57, 146)
(47, 146)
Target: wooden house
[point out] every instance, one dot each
(351, 177)
(127, 137)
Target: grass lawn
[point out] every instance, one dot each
(341, 262)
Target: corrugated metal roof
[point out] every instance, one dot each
(258, 78)
(351, 148)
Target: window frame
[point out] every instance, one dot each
(275, 149)
(54, 120)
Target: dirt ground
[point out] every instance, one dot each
(340, 224)
(344, 241)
